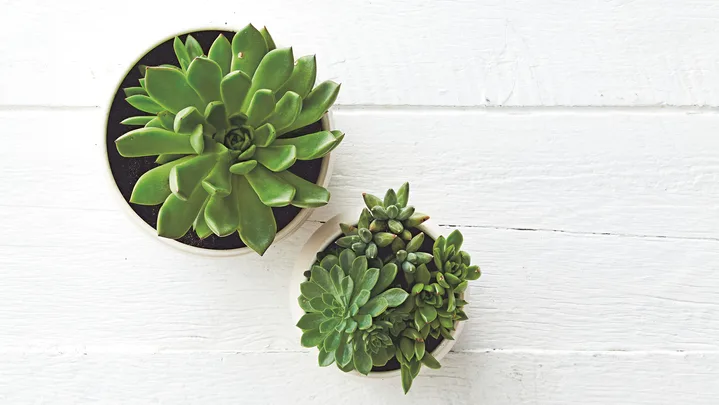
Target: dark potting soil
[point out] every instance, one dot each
(126, 171)
(431, 343)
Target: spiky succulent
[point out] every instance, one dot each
(342, 299)
(362, 240)
(392, 214)
(410, 257)
(222, 127)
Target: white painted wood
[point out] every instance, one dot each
(514, 378)
(449, 53)
(619, 172)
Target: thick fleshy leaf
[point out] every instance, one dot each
(181, 52)
(386, 276)
(152, 141)
(194, 49)
(307, 194)
(234, 88)
(310, 289)
(274, 69)
(455, 239)
(176, 216)
(315, 104)
(302, 78)
(261, 106)
(186, 176)
(265, 135)
(423, 275)
(364, 321)
(406, 379)
(204, 75)
(216, 115)
(431, 362)
(362, 360)
(169, 87)
(155, 123)
(187, 120)
(222, 214)
(321, 277)
(277, 158)
(332, 341)
(415, 243)
(268, 39)
(286, 111)
(311, 146)
(153, 187)
(393, 296)
(374, 307)
(248, 49)
(197, 140)
(200, 226)
(419, 350)
(167, 119)
(271, 189)
(168, 157)
(343, 354)
(403, 195)
(312, 338)
(428, 313)
(137, 120)
(144, 103)
(131, 91)
(221, 53)
(257, 226)
(248, 154)
(326, 358)
(242, 168)
(359, 268)
(219, 181)
(369, 279)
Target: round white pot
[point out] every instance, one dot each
(322, 238)
(323, 180)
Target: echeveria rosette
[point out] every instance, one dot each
(341, 300)
(221, 125)
(393, 215)
(362, 240)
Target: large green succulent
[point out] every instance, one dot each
(222, 127)
(342, 300)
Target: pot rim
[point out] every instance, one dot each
(322, 238)
(322, 181)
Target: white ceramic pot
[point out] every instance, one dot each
(322, 238)
(323, 180)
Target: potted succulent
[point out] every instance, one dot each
(384, 294)
(228, 141)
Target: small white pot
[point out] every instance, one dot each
(318, 242)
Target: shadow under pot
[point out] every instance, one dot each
(323, 241)
(240, 140)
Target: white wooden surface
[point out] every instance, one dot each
(590, 198)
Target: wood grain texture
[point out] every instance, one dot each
(447, 53)
(249, 378)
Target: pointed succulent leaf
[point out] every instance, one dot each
(242, 168)
(329, 261)
(176, 216)
(312, 338)
(371, 201)
(423, 274)
(168, 157)
(384, 239)
(455, 239)
(346, 258)
(197, 140)
(415, 243)
(302, 78)
(310, 321)
(386, 277)
(155, 123)
(277, 158)
(390, 198)
(346, 287)
(343, 354)
(451, 300)
(393, 296)
(403, 195)
(274, 69)
(257, 226)
(473, 272)
(406, 379)
(364, 219)
(194, 49)
(286, 111)
(359, 268)
(187, 120)
(271, 189)
(268, 38)
(181, 52)
(246, 155)
(422, 258)
(152, 141)
(200, 226)
(248, 49)
(316, 104)
(428, 313)
(364, 321)
(375, 307)
(332, 341)
(204, 75)
(416, 219)
(312, 146)
(321, 278)
(169, 87)
(431, 362)
(222, 214)
(407, 347)
(132, 91)
(144, 103)
(326, 358)
(395, 226)
(221, 53)
(260, 107)
(369, 279)
(187, 175)
(452, 279)
(310, 289)
(153, 187)
(419, 349)
(307, 194)
(265, 135)
(216, 115)
(137, 120)
(233, 89)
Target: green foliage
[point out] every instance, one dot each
(434, 278)
(222, 127)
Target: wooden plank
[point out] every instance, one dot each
(614, 172)
(494, 378)
(449, 53)
(93, 280)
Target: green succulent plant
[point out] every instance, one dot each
(410, 257)
(342, 300)
(221, 125)
(392, 214)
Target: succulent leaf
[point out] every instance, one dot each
(144, 103)
(137, 120)
(169, 88)
(265, 135)
(183, 57)
(302, 79)
(307, 194)
(216, 115)
(315, 105)
(186, 176)
(248, 49)
(268, 38)
(286, 110)
(277, 158)
(153, 187)
(176, 216)
(152, 141)
(204, 76)
(260, 108)
(221, 53)
(233, 89)
(274, 69)
(311, 146)
(242, 168)
(271, 189)
(194, 49)
(257, 226)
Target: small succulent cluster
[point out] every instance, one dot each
(221, 125)
(427, 294)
